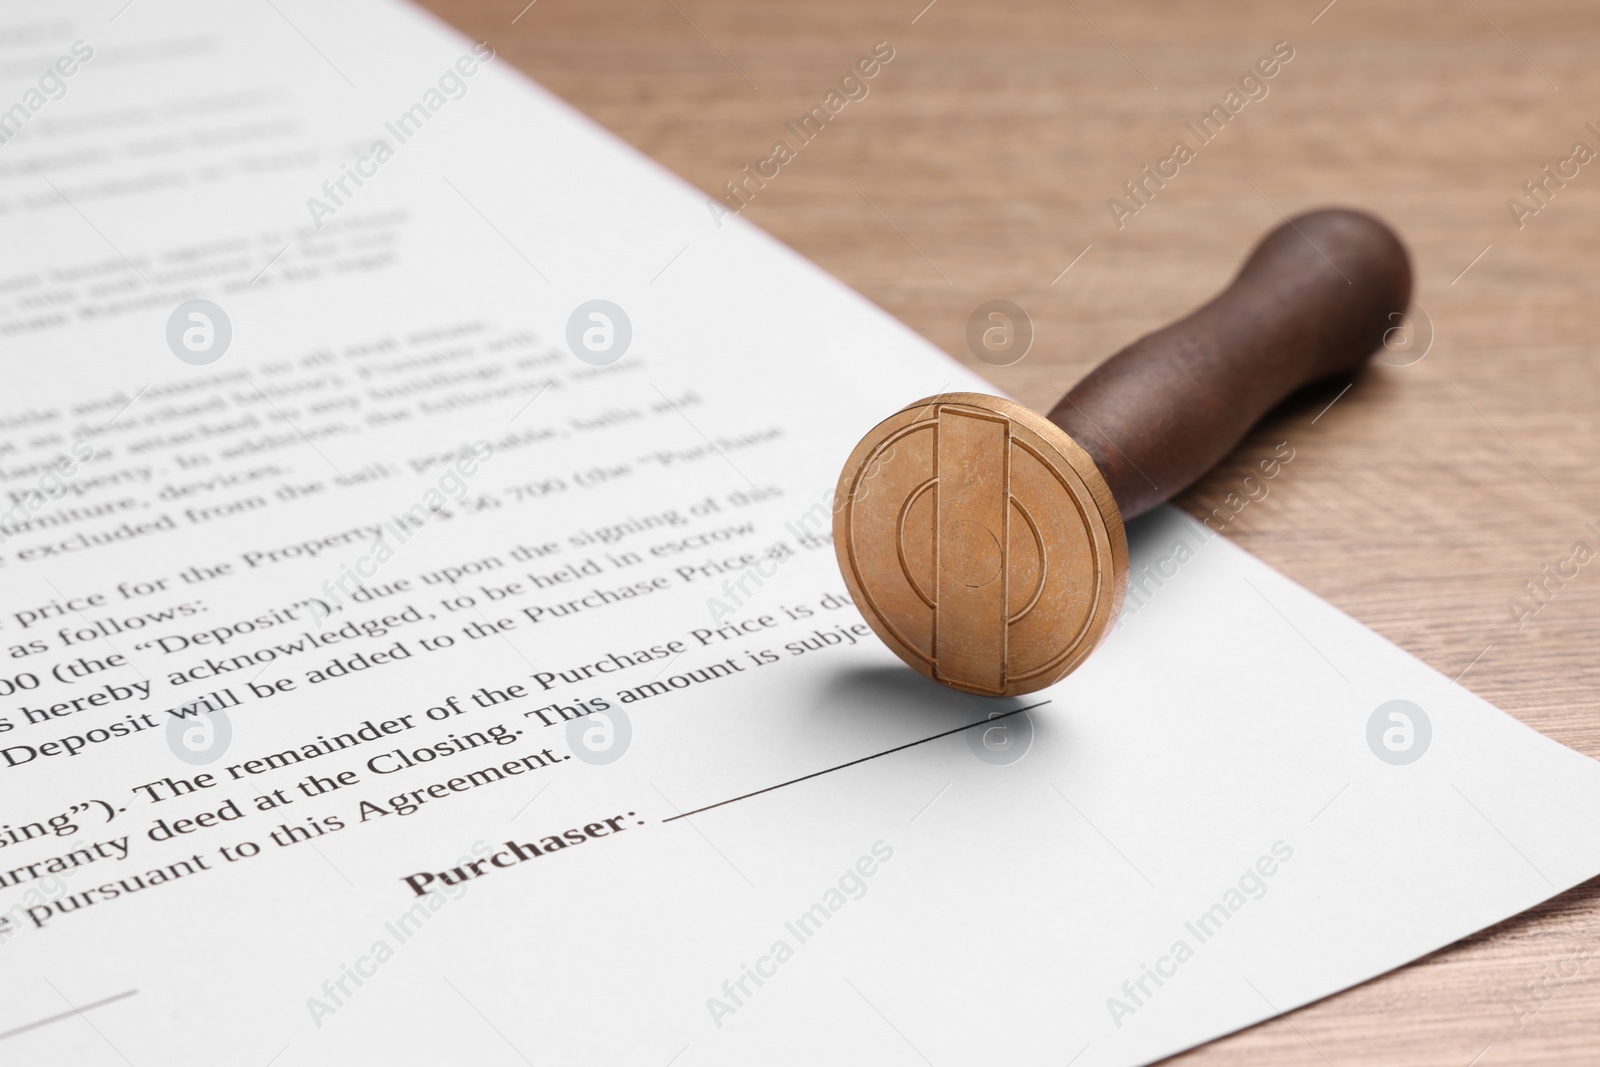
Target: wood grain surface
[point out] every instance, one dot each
(980, 167)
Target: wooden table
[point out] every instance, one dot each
(980, 166)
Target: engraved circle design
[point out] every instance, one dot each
(973, 551)
(981, 543)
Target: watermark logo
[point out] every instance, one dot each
(51, 85)
(1408, 337)
(1553, 978)
(338, 190)
(1252, 88)
(851, 885)
(1551, 580)
(1251, 885)
(1398, 732)
(999, 332)
(738, 193)
(600, 737)
(1540, 190)
(394, 532)
(599, 332)
(338, 992)
(199, 332)
(1003, 740)
(53, 484)
(200, 739)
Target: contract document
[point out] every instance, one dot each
(422, 642)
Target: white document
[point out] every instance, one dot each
(596, 764)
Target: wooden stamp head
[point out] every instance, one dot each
(980, 543)
(984, 543)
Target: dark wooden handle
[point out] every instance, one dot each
(1313, 300)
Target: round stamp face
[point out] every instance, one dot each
(980, 543)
